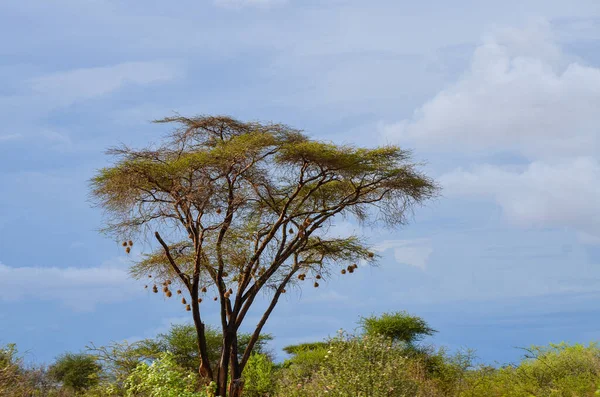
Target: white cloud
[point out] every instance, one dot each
(562, 194)
(72, 86)
(77, 288)
(409, 252)
(524, 96)
(521, 93)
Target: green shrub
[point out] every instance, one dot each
(163, 378)
(76, 371)
(354, 366)
(259, 376)
(557, 370)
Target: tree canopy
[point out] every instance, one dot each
(77, 371)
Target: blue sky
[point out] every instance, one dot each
(500, 99)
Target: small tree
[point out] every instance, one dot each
(398, 326)
(246, 207)
(75, 371)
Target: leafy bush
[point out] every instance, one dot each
(163, 378)
(259, 376)
(557, 370)
(75, 371)
(355, 366)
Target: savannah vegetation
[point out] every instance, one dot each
(237, 212)
(387, 356)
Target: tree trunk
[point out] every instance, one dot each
(237, 384)
(223, 369)
(204, 369)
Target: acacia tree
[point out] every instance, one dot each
(241, 208)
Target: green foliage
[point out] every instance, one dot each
(557, 370)
(181, 342)
(301, 347)
(119, 359)
(306, 360)
(355, 366)
(259, 376)
(76, 371)
(398, 326)
(163, 378)
(12, 380)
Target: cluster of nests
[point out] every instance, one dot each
(127, 245)
(168, 293)
(349, 269)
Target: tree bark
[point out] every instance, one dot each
(223, 369)
(237, 384)
(204, 369)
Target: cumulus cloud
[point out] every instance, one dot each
(77, 288)
(541, 194)
(74, 85)
(521, 93)
(524, 96)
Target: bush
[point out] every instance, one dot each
(75, 371)
(354, 366)
(163, 378)
(259, 376)
(557, 370)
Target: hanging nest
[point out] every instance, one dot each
(291, 231)
(215, 298)
(169, 294)
(128, 249)
(302, 276)
(149, 276)
(188, 308)
(199, 300)
(155, 289)
(203, 289)
(283, 291)
(370, 255)
(318, 277)
(124, 243)
(145, 286)
(316, 285)
(130, 243)
(183, 301)
(218, 211)
(165, 288)
(178, 292)
(169, 282)
(343, 271)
